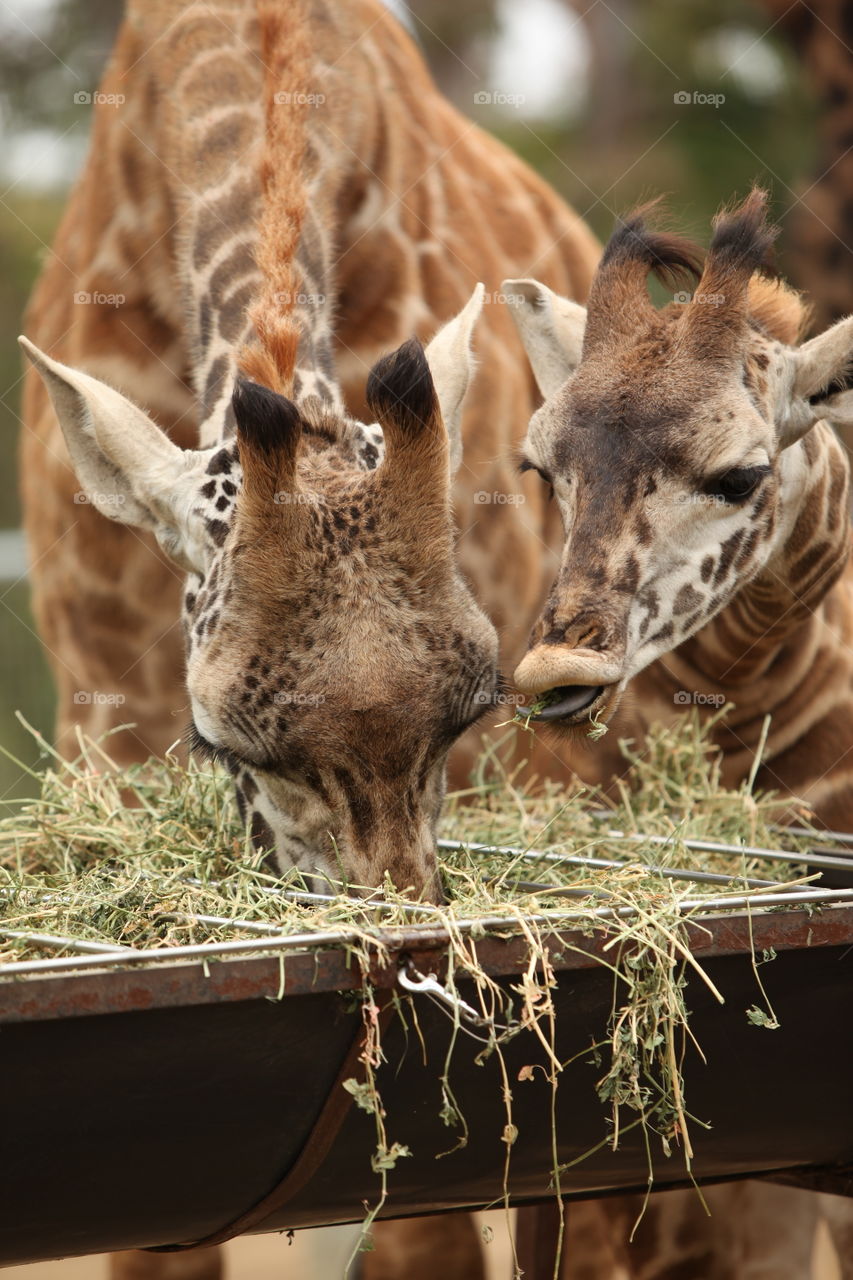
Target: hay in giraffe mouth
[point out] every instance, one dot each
(567, 703)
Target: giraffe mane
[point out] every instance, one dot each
(780, 309)
(287, 56)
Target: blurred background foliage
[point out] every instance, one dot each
(611, 102)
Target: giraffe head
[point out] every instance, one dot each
(334, 653)
(671, 439)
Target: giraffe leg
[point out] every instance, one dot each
(837, 1212)
(588, 1251)
(756, 1231)
(197, 1264)
(418, 1248)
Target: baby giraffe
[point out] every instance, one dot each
(334, 653)
(704, 499)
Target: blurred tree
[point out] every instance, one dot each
(613, 98)
(48, 55)
(819, 235)
(457, 41)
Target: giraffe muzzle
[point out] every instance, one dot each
(568, 702)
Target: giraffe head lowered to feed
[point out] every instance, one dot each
(334, 653)
(677, 445)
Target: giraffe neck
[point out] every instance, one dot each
(756, 650)
(216, 154)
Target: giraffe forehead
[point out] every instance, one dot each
(619, 434)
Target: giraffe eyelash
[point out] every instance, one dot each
(526, 465)
(199, 746)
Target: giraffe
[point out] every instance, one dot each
(274, 199)
(274, 670)
(704, 498)
(728, 571)
(407, 211)
(294, 527)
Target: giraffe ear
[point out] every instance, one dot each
(815, 371)
(127, 467)
(451, 363)
(551, 329)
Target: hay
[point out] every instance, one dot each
(176, 868)
(79, 860)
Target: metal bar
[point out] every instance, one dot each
(192, 917)
(832, 862)
(57, 940)
(837, 837)
(308, 896)
(828, 861)
(393, 940)
(604, 864)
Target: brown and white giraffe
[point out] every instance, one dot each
(705, 505)
(234, 200)
(333, 652)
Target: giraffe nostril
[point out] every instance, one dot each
(567, 700)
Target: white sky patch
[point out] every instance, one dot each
(541, 57)
(26, 14)
(40, 159)
(738, 54)
(400, 10)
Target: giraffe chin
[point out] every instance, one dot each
(575, 704)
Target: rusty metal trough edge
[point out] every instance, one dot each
(322, 968)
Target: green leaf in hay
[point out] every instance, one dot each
(388, 1157)
(759, 1018)
(363, 1095)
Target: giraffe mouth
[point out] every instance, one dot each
(567, 703)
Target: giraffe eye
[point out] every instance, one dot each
(738, 484)
(527, 465)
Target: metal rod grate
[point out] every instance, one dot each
(760, 894)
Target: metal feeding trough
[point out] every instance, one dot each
(186, 1094)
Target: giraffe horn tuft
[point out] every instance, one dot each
(741, 245)
(619, 290)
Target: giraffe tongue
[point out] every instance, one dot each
(568, 700)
